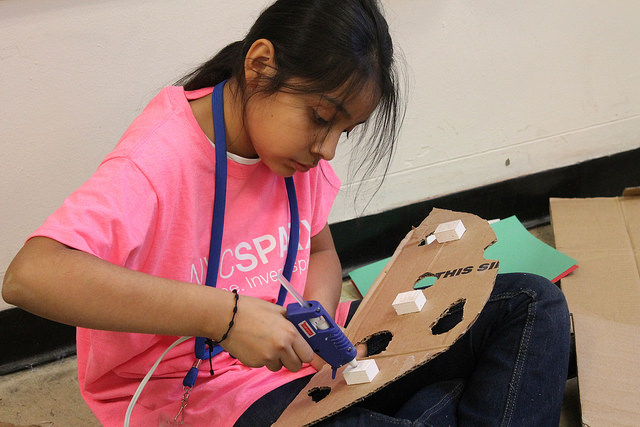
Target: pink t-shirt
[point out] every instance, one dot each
(148, 207)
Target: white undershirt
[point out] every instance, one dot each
(236, 158)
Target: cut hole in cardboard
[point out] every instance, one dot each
(319, 393)
(377, 343)
(424, 281)
(450, 318)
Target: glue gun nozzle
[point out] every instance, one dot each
(353, 363)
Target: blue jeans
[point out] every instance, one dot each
(510, 368)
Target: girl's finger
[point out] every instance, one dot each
(274, 366)
(291, 361)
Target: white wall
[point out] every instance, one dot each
(501, 89)
(498, 89)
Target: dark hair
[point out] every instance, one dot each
(326, 45)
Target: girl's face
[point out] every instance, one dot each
(291, 132)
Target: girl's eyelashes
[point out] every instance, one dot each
(319, 119)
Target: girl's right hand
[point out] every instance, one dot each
(262, 336)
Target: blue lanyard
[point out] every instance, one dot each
(217, 226)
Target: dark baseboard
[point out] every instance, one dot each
(29, 340)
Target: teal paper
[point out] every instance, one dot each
(521, 252)
(364, 277)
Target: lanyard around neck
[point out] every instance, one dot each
(217, 226)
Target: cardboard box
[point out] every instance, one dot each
(603, 235)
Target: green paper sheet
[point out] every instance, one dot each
(516, 249)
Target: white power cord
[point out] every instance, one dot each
(145, 380)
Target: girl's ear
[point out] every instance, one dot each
(259, 62)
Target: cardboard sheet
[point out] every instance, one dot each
(603, 234)
(516, 249)
(412, 341)
(608, 391)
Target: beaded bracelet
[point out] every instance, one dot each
(233, 317)
(211, 343)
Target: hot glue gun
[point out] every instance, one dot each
(321, 332)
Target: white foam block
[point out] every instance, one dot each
(448, 231)
(365, 372)
(409, 302)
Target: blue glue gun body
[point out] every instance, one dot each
(322, 333)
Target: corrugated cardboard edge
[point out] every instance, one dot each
(607, 334)
(413, 344)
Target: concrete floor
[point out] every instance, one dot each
(48, 395)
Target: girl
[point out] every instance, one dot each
(124, 258)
